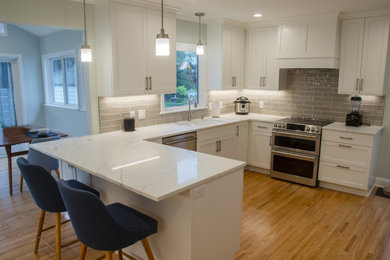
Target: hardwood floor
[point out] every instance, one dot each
(280, 221)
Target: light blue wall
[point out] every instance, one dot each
(72, 122)
(22, 42)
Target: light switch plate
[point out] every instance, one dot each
(141, 114)
(132, 114)
(261, 104)
(220, 104)
(210, 106)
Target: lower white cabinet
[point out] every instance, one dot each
(347, 161)
(241, 142)
(260, 144)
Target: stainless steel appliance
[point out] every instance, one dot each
(241, 105)
(296, 146)
(185, 141)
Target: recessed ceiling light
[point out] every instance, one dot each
(257, 15)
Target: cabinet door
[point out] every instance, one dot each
(227, 77)
(161, 69)
(128, 50)
(256, 57)
(241, 142)
(227, 147)
(209, 147)
(352, 32)
(260, 150)
(237, 56)
(376, 35)
(292, 40)
(271, 81)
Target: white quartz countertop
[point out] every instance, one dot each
(340, 126)
(150, 169)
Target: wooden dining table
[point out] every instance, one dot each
(16, 135)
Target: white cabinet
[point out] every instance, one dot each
(309, 42)
(125, 51)
(241, 142)
(347, 161)
(217, 141)
(363, 55)
(262, 71)
(260, 144)
(225, 56)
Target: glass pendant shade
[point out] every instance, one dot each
(162, 46)
(86, 54)
(199, 49)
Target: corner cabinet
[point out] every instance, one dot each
(364, 52)
(125, 50)
(225, 56)
(262, 70)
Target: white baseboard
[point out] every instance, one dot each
(382, 182)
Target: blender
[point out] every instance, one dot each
(355, 118)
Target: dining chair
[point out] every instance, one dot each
(44, 189)
(105, 228)
(37, 158)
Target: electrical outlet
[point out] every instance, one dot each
(132, 114)
(261, 104)
(220, 104)
(141, 114)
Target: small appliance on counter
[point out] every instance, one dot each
(241, 105)
(355, 118)
(129, 124)
(215, 109)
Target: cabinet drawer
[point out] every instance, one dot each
(347, 138)
(216, 132)
(352, 155)
(354, 177)
(262, 127)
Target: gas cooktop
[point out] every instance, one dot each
(301, 124)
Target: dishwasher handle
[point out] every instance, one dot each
(178, 141)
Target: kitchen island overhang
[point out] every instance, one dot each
(196, 197)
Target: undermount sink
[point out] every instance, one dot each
(203, 122)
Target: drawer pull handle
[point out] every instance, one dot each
(343, 167)
(346, 138)
(263, 127)
(345, 146)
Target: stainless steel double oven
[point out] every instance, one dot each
(296, 151)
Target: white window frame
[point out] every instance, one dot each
(47, 80)
(180, 46)
(4, 26)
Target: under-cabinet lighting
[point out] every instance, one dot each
(257, 15)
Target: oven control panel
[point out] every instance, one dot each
(312, 129)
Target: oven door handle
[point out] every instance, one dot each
(307, 137)
(295, 155)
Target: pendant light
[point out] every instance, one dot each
(86, 51)
(162, 39)
(199, 45)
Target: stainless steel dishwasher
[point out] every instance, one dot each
(185, 141)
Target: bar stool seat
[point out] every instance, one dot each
(105, 228)
(44, 189)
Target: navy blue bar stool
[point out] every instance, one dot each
(105, 228)
(44, 189)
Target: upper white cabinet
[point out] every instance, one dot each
(309, 42)
(125, 50)
(225, 56)
(363, 55)
(262, 70)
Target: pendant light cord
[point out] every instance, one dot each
(85, 26)
(162, 14)
(199, 31)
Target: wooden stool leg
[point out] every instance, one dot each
(83, 251)
(9, 157)
(39, 232)
(120, 254)
(58, 173)
(148, 251)
(21, 183)
(58, 235)
(108, 255)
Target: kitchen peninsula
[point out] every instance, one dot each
(196, 197)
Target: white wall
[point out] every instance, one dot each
(188, 32)
(70, 121)
(26, 44)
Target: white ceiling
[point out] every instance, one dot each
(39, 30)
(243, 10)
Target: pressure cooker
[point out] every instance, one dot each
(241, 105)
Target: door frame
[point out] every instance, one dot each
(18, 84)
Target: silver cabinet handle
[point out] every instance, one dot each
(146, 83)
(345, 138)
(150, 83)
(234, 81)
(260, 81)
(237, 130)
(361, 84)
(262, 127)
(263, 81)
(216, 146)
(270, 140)
(343, 167)
(357, 85)
(346, 146)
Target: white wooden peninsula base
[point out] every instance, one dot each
(201, 223)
